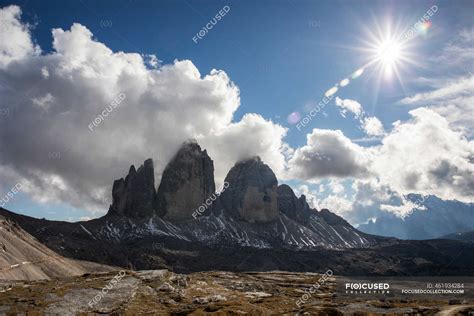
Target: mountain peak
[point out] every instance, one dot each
(293, 207)
(252, 191)
(134, 196)
(187, 181)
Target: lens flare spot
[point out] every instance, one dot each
(423, 27)
(330, 92)
(294, 118)
(357, 73)
(344, 82)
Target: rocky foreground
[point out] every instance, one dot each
(160, 292)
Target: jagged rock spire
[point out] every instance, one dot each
(187, 181)
(135, 195)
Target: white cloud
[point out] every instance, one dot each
(340, 205)
(310, 197)
(15, 37)
(44, 102)
(336, 186)
(423, 155)
(349, 105)
(328, 153)
(458, 52)
(452, 97)
(372, 126)
(456, 88)
(52, 98)
(251, 136)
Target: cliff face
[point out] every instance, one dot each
(187, 181)
(293, 207)
(252, 192)
(135, 195)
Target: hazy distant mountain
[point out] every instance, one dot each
(440, 218)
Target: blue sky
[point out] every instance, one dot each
(283, 55)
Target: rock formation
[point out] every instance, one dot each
(135, 195)
(252, 192)
(187, 181)
(293, 207)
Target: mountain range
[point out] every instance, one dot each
(251, 223)
(433, 219)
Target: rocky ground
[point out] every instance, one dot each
(160, 292)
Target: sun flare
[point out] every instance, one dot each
(389, 52)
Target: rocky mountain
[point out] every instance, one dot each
(252, 193)
(187, 181)
(22, 257)
(434, 218)
(252, 210)
(135, 195)
(251, 224)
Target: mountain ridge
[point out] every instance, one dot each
(431, 219)
(253, 224)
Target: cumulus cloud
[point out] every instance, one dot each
(52, 99)
(251, 136)
(372, 126)
(423, 155)
(15, 37)
(349, 105)
(328, 153)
